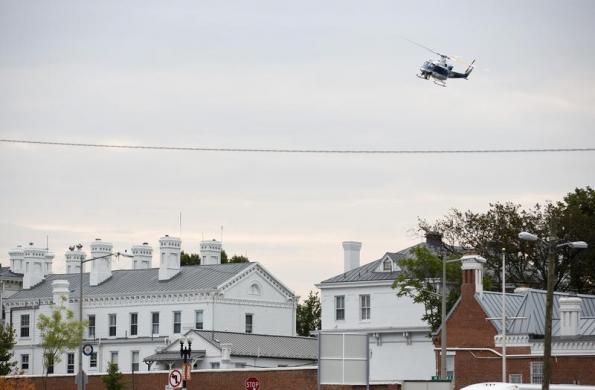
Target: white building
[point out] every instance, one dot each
(135, 313)
(362, 300)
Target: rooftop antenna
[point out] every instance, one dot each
(221, 235)
(47, 242)
(180, 224)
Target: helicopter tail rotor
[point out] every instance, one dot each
(469, 69)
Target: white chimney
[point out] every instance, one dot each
(60, 292)
(34, 261)
(101, 269)
(74, 256)
(169, 265)
(570, 315)
(472, 267)
(351, 251)
(142, 256)
(210, 252)
(17, 259)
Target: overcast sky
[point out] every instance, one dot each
(273, 74)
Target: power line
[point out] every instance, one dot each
(296, 151)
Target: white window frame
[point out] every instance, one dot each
(25, 356)
(133, 324)
(177, 324)
(111, 325)
(154, 325)
(515, 378)
(534, 364)
(202, 319)
(340, 308)
(249, 326)
(365, 307)
(113, 357)
(93, 360)
(134, 361)
(92, 325)
(390, 265)
(69, 364)
(26, 327)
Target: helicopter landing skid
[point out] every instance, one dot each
(422, 77)
(441, 84)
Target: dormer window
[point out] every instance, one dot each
(387, 265)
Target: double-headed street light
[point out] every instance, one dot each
(185, 353)
(549, 302)
(80, 378)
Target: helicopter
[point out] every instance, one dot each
(439, 69)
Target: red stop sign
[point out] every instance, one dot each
(252, 384)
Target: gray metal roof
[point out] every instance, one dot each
(5, 272)
(260, 345)
(190, 278)
(367, 272)
(531, 304)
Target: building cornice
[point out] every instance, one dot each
(363, 283)
(566, 348)
(514, 340)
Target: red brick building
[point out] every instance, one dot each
(474, 342)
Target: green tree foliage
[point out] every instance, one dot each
(223, 257)
(238, 259)
(113, 379)
(189, 259)
(308, 315)
(7, 342)
(422, 282)
(60, 331)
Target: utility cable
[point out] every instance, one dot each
(296, 151)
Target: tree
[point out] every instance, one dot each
(422, 282)
(113, 379)
(308, 315)
(189, 259)
(223, 257)
(60, 331)
(238, 259)
(7, 342)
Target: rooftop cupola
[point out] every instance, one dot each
(34, 264)
(101, 269)
(17, 259)
(74, 255)
(351, 252)
(210, 252)
(142, 256)
(169, 264)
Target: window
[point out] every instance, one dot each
(255, 289)
(114, 357)
(249, 320)
(198, 323)
(536, 372)
(155, 322)
(112, 324)
(70, 363)
(340, 307)
(177, 321)
(387, 265)
(364, 307)
(515, 378)
(91, 329)
(214, 365)
(450, 366)
(134, 361)
(93, 360)
(133, 324)
(24, 325)
(25, 362)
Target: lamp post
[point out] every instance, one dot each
(185, 354)
(552, 244)
(80, 376)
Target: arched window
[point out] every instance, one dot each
(387, 265)
(255, 289)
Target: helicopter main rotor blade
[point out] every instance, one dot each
(427, 48)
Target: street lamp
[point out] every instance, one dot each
(443, 310)
(549, 302)
(185, 353)
(80, 376)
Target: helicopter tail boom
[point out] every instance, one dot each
(469, 69)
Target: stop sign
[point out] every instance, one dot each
(252, 384)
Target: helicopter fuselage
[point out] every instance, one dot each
(436, 70)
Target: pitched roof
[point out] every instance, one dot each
(199, 277)
(367, 272)
(531, 306)
(260, 345)
(5, 272)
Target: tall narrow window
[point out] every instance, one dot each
(114, 357)
(177, 321)
(155, 322)
(364, 307)
(134, 361)
(25, 323)
(249, 323)
(93, 360)
(112, 324)
(339, 307)
(25, 362)
(387, 265)
(70, 363)
(536, 372)
(198, 319)
(133, 324)
(91, 328)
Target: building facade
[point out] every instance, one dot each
(362, 300)
(474, 335)
(137, 312)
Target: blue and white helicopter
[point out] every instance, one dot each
(440, 70)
